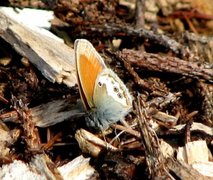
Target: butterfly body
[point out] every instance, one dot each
(104, 95)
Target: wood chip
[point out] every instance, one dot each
(40, 168)
(54, 112)
(54, 59)
(91, 144)
(78, 168)
(194, 127)
(196, 151)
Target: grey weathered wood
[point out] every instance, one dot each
(54, 112)
(53, 58)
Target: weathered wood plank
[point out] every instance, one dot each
(54, 59)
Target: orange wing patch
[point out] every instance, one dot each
(88, 70)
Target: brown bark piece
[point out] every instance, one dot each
(30, 131)
(154, 62)
(154, 157)
(206, 91)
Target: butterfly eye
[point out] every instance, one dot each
(120, 95)
(99, 83)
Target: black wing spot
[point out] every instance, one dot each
(115, 89)
(120, 95)
(99, 83)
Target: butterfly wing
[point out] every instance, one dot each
(89, 64)
(111, 98)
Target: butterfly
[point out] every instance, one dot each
(104, 95)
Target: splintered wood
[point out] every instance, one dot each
(56, 64)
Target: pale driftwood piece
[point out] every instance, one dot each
(40, 168)
(205, 168)
(194, 127)
(54, 59)
(79, 168)
(43, 165)
(184, 171)
(164, 119)
(41, 18)
(91, 144)
(56, 111)
(19, 170)
(166, 149)
(196, 153)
